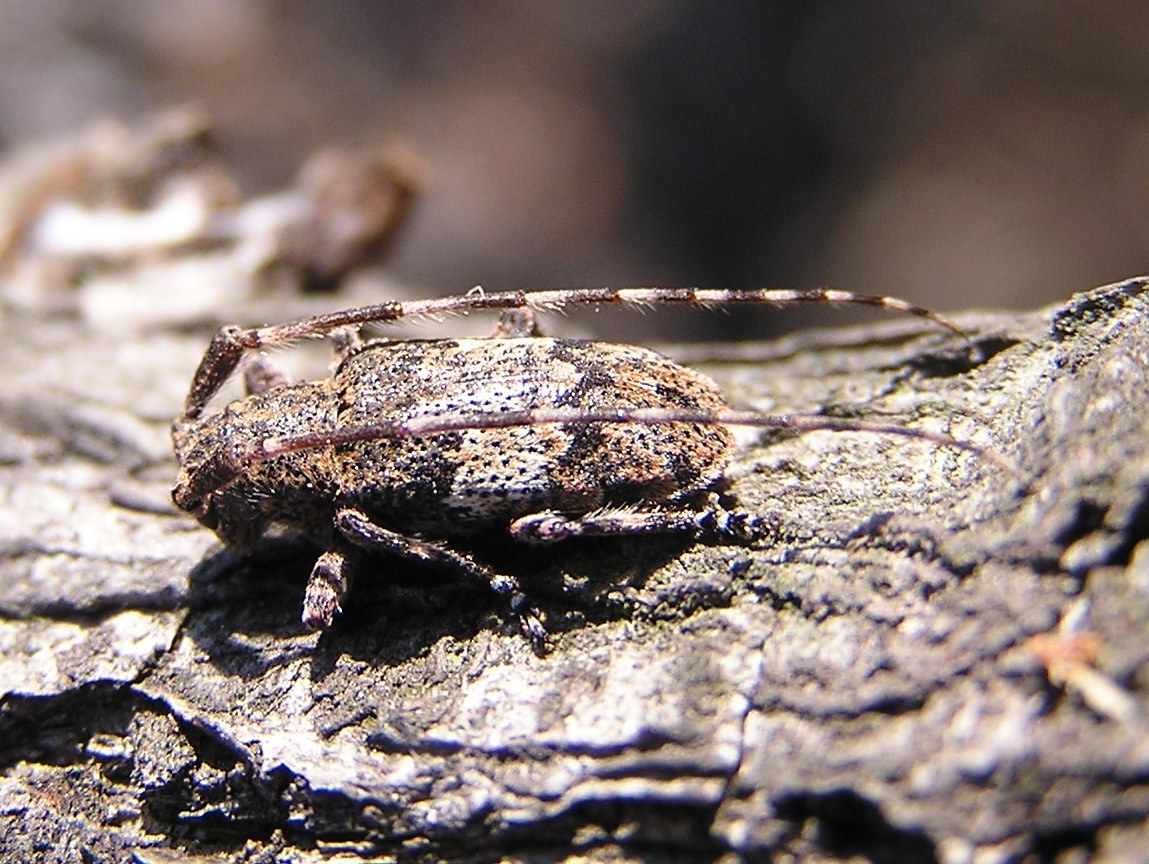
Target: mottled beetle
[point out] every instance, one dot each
(411, 445)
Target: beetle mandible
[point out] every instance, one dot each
(412, 445)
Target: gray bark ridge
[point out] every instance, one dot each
(930, 661)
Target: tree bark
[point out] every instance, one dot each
(866, 683)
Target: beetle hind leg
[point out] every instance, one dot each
(357, 527)
(551, 526)
(712, 522)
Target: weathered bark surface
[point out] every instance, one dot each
(860, 686)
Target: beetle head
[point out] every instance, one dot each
(210, 485)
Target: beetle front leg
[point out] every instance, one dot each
(326, 587)
(357, 527)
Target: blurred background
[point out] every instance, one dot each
(959, 153)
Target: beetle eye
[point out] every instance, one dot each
(184, 500)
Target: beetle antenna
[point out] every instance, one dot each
(438, 424)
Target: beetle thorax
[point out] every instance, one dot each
(227, 485)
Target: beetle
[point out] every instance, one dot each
(413, 445)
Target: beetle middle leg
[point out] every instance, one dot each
(358, 528)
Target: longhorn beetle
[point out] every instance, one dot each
(412, 445)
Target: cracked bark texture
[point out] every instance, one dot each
(859, 687)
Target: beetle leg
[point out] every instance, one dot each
(550, 526)
(326, 586)
(714, 521)
(357, 527)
